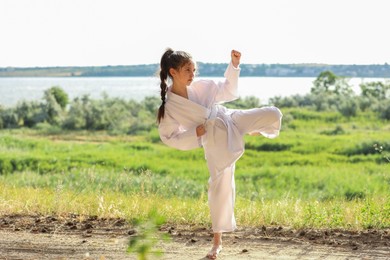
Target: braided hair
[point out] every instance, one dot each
(170, 59)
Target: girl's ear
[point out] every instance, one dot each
(172, 72)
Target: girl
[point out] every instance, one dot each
(191, 116)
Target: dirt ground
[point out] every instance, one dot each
(82, 237)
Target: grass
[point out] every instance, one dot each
(357, 214)
(322, 171)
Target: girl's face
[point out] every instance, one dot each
(185, 75)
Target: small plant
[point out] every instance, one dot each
(379, 148)
(147, 236)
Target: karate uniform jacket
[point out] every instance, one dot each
(222, 143)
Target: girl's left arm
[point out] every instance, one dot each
(236, 58)
(227, 90)
(211, 92)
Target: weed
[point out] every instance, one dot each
(147, 236)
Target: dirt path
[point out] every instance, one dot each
(78, 237)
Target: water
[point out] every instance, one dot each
(13, 90)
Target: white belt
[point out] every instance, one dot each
(210, 124)
(212, 113)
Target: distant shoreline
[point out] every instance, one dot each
(205, 70)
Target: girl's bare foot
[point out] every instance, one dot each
(213, 253)
(217, 246)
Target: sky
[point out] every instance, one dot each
(41, 33)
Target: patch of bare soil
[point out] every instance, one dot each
(88, 237)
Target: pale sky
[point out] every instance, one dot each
(127, 32)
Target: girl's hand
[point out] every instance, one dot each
(236, 56)
(200, 130)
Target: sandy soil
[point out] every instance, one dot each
(82, 237)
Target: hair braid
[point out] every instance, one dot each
(164, 71)
(164, 87)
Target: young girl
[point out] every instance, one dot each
(191, 116)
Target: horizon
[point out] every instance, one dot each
(95, 33)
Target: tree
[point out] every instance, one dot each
(331, 92)
(324, 82)
(329, 83)
(59, 95)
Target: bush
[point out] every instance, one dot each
(364, 148)
(367, 103)
(60, 96)
(9, 118)
(377, 89)
(151, 104)
(348, 107)
(48, 128)
(244, 103)
(281, 102)
(354, 195)
(53, 110)
(31, 113)
(384, 109)
(75, 119)
(5, 166)
(115, 115)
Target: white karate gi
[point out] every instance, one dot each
(223, 142)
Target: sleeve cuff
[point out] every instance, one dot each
(235, 68)
(191, 135)
(232, 73)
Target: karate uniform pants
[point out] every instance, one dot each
(221, 192)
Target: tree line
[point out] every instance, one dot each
(205, 70)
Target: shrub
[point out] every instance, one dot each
(244, 103)
(348, 107)
(60, 96)
(367, 103)
(377, 89)
(364, 148)
(384, 109)
(54, 112)
(285, 101)
(5, 166)
(115, 115)
(151, 104)
(76, 118)
(31, 113)
(9, 118)
(353, 195)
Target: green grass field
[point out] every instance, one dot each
(322, 171)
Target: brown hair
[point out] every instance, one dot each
(170, 59)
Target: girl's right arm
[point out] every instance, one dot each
(176, 136)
